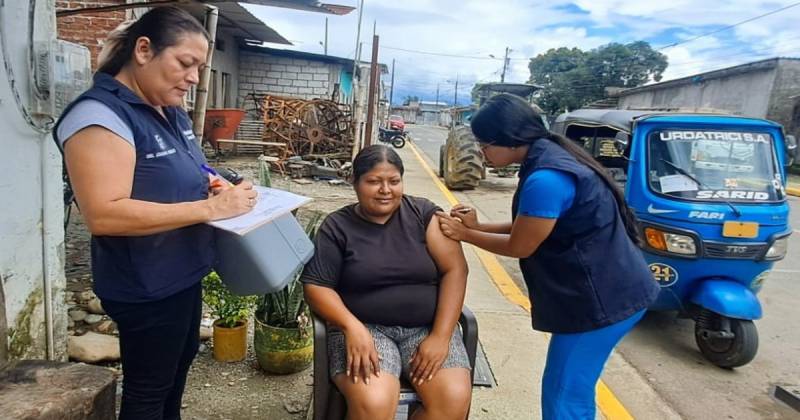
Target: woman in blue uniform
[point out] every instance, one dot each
(136, 169)
(576, 240)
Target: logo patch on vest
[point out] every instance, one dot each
(160, 141)
(189, 135)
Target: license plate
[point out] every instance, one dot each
(740, 230)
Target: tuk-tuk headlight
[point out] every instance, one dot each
(778, 249)
(680, 244)
(670, 242)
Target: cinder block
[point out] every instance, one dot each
(305, 76)
(321, 91)
(316, 84)
(321, 77)
(55, 390)
(273, 74)
(289, 75)
(277, 67)
(285, 82)
(300, 62)
(305, 91)
(300, 83)
(295, 69)
(290, 89)
(271, 81)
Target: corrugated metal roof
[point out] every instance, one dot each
(239, 21)
(307, 5)
(307, 56)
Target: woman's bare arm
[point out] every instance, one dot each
(101, 167)
(449, 258)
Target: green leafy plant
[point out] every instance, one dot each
(264, 178)
(229, 309)
(287, 307)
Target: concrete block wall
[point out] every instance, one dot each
(284, 76)
(746, 94)
(784, 106)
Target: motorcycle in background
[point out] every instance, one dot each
(396, 138)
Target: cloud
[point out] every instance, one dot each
(476, 29)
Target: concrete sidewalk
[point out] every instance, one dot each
(515, 352)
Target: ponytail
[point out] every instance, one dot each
(627, 215)
(116, 49)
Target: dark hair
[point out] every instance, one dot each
(162, 25)
(371, 156)
(507, 120)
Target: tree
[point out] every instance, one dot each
(410, 99)
(573, 78)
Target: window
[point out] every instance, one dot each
(226, 90)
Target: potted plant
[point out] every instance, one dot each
(283, 333)
(231, 313)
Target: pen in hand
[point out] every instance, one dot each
(215, 174)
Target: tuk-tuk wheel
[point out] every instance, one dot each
(398, 141)
(729, 347)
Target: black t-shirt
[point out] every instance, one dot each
(383, 273)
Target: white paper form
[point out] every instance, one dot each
(677, 183)
(270, 204)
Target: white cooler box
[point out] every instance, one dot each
(264, 260)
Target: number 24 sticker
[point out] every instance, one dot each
(665, 275)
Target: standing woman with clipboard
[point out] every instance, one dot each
(137, 174)
(576, 240)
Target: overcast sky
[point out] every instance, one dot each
(478, 29)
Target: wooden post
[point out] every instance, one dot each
(201, 100)
(373, 84)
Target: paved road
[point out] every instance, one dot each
(662, 348)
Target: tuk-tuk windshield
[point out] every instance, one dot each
(711, 165)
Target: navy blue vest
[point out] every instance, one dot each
(587, 274)
(152, 267)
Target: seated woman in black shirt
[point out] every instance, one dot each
(391, 286)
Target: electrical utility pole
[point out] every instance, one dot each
(505, 67)
(355, 88)
(326, 36)
(391, 88)
(455, 99)
(373, 86)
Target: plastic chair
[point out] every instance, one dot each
(329, 403)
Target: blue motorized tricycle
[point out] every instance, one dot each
(710, 193)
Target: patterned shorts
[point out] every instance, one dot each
(395, 347)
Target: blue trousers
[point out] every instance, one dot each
(574, 365)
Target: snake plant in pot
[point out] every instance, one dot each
(231, 313)
(284, 339)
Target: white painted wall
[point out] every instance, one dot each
(31, 226)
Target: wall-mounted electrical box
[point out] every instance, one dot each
(61, 72)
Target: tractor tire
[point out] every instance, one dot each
(463, 160)
(442, 160)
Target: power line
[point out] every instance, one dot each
(730, 26)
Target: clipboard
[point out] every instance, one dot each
(271, 204)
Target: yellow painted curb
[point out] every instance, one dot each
(793, 190)
(608, 403)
